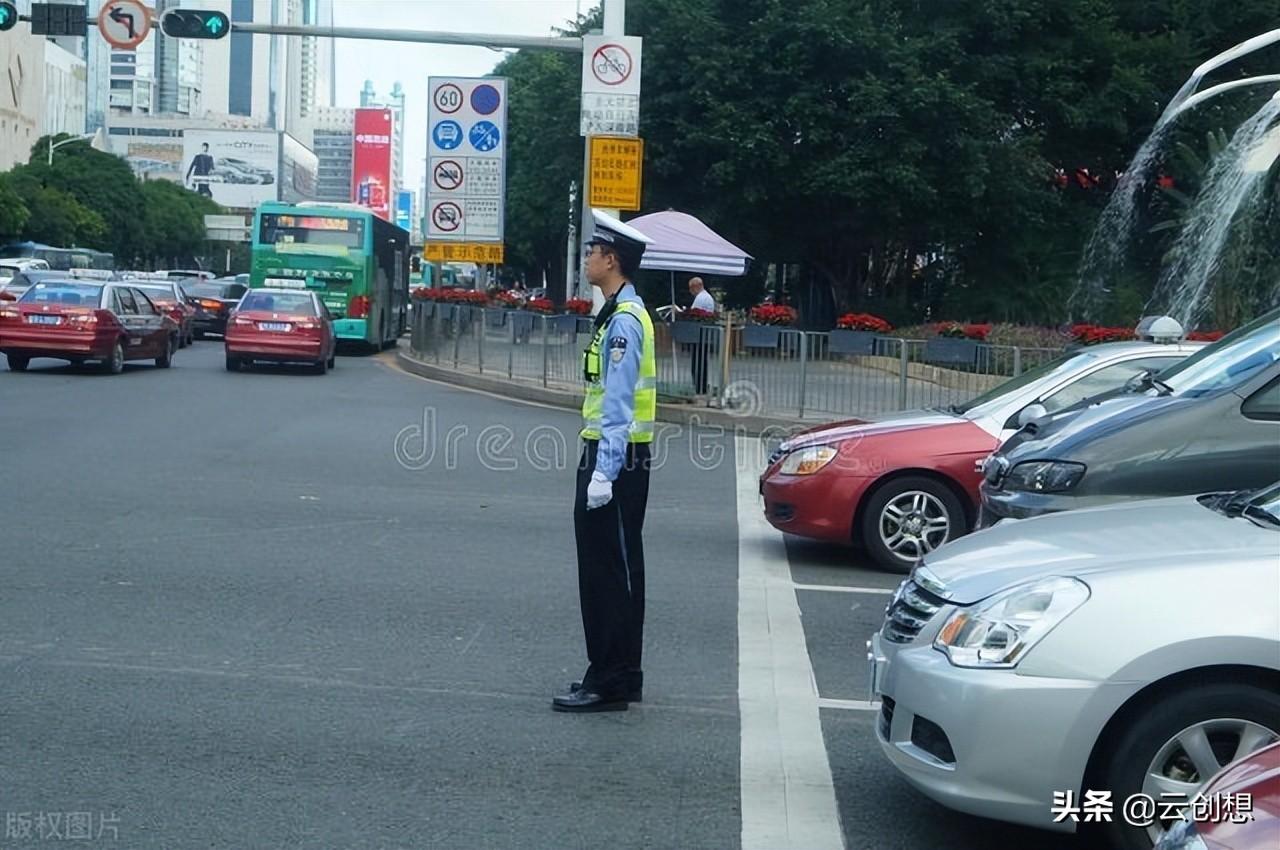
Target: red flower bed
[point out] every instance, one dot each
(1096, 334)
(863, 322)
(542, 305)
(773, 314)
(577, 306)
(1205, 336)
(696, 314)
(959, 330)
(508, 298)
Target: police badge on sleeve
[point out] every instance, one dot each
(617, 348)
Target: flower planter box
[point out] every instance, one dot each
(687, 333)
(496, 318)
(446, 312)
(586, 325)
(562, 324)
(427, 308)
(951, 352)
(853, 342)
(760, 336)
(521, 323)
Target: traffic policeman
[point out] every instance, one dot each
(613, 476)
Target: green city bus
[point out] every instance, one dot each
(355, 261)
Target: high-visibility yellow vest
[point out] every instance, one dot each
(645, 409)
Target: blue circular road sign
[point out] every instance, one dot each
(484, 136)
(447, 135)
(485, 99)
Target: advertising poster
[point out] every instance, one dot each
(404, 210)
(237, 168)
(371, 161)
(151, 160)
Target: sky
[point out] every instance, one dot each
(386, 63)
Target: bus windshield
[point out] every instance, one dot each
(281, 229)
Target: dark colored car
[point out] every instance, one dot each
(83, 320)
(281, 326)
(170, 297)
(1224, 821)
(1211, 422)
(213, 301)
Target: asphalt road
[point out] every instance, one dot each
(273, 609)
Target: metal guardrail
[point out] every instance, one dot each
(766, 370)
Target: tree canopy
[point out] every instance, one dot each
(910, 157)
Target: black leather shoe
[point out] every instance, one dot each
(631, 696)
(581, 701)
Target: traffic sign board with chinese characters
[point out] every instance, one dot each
(466, 150)
(616, 167)
(610, 85)
(464, 252)
(124, 24)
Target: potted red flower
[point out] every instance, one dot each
(956, 343)
(1085, 334)
(856, 333)
(767, 321)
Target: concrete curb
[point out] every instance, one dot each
(752, 426)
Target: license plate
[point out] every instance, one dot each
(45, 320)
(274, 326)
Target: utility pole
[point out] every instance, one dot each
(615, 15)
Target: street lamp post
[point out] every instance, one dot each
(93, 138)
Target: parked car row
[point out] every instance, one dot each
(1113, 628)
(112, 322)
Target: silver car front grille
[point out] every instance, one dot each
(910, 611)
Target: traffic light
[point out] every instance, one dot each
(8, 16)
(194, 23)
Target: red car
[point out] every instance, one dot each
(281, 326)
(903, 486)
(1222, 826)
(81, 320)
(168, 296)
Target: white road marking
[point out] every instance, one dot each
(788, 799)
(849, 704)
(841, 588)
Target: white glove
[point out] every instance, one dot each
(599, 491)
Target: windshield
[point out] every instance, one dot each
(68, 293)
(279, 229)
(279, 302)
(1065, 365)
(7, 272)
(1268, 499)
(1230, 361)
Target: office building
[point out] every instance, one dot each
(65, 77)
(22, 105)
(333, 140)
(179, 70)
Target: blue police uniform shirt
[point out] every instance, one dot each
(620, 366)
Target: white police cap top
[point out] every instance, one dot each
(614, 232)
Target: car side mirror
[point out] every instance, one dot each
(8, 296)
(1031, 413)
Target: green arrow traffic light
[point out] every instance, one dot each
(194, 23)
(8, 16)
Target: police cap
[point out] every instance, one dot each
(626, 240)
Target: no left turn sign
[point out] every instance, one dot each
(446, 216)
(448, 98)
(611, 64)
(447, 174)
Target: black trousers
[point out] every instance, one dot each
(611, 572)
(700, 368)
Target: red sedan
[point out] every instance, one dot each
(79, 320)
(281, 326)
(903, 486)
(168, 296)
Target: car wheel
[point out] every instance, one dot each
(114, 364)
(17, 363)
(164, 361)
(333, 360)
(198, 335)
(233, 363)
(320, 368)
(1178, 744)
(907, 519)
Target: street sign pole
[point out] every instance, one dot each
(615, 16)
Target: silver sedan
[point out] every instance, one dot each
(1128, 650)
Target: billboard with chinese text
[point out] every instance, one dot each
(371, 161)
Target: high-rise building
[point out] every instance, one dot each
(257, 67)
(318, 86)
(333, 140)
(133, 80)
(64, 91)
(179, 70)
(22, 100)
(96, 53)
(394, 102)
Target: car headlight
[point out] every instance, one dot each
(999, 631)
(1044, 476)
(1182, 836)
(807, 461)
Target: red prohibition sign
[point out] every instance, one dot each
(448, 98)
(611, 64)
(447, 216)
(447, 175)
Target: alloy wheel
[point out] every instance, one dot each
(913, 524)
